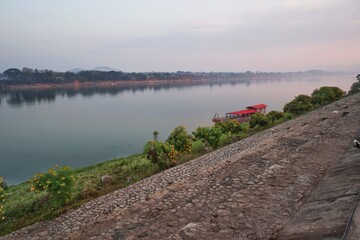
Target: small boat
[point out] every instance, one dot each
(242, 115)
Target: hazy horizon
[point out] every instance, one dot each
(198, 36)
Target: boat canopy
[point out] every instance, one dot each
(259, 106)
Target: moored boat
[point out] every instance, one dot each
(242, 115)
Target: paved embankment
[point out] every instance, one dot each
(327, 211)
(248, 190)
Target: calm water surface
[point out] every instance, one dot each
(41, 128)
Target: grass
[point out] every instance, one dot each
(24, 207)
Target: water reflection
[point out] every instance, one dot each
(29, 97)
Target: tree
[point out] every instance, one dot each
(258, 119)
(230, 126)
(326, 95)
(155, 135)
(211, 135)
(180, 139)
(12, 73)
(355, 88)
(358, 77)
(301, 104)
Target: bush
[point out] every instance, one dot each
(198, 147)
(229, 126)
(301, 104)
(224, 140)
(59, 182)
(274, 115)
(258, 119)
(326, 95)
(162, 154)
(180, 139)
(211, 135)
(2, 198)
(288, 116)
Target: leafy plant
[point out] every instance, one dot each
(258, 119)
(225, 139)
(160, 153)
(229, 126)
(326, 95)
(211, 135)
(59, 182)
(180, 139)
(274, 115)
(198, 147)
(299, 105)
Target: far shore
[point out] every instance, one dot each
(119, 83)
(78, 84)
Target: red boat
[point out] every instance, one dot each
(242, 115)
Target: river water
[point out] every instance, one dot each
(78, 127)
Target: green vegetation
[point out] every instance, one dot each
(355, 87)
(301, 104)
(2, 198)
(326, 95)
(258, 119)
(49, 194)
(25, 206)
(319, 97)
(58, 182)
(161, 154)
(180, 139)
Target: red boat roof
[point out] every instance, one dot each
(246, 111)
(258, 106)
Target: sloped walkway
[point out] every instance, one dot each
(248, 190)
(326, 212)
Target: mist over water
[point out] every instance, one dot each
(79, 127)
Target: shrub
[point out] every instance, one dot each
(59, 182)
(230, 126)
(224, 140)
(162, 154)
(301, 104)
(326, 95)
(2, 198)
(288, 116)
(180, 139)
(211, 135)
(198, 147)
(274, 115)
(258, 119)
(201, 133)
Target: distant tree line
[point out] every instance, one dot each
(31, 76)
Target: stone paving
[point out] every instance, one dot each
(247, 190)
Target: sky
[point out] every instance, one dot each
(186, 35)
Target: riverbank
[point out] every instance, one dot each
(207, 196)
(78, 84)
(126, 83)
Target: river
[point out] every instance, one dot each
(40, 128)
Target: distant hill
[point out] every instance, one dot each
(104, 69)
(76, 70)
(100, 68)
